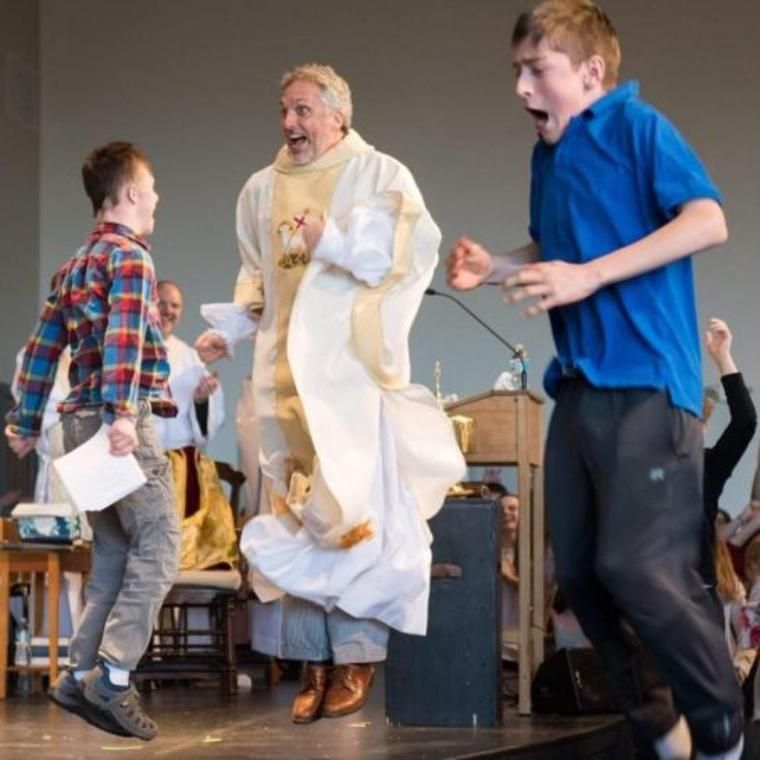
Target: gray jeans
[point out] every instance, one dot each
(135, 553)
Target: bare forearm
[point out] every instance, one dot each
(505, 264)
(725, 365)
(699, 225)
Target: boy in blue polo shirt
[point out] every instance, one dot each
(619, 202)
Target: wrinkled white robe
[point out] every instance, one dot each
(385, 452)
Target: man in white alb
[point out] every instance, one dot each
(208, 530)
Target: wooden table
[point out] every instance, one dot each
(39, 560)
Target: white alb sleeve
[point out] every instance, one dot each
(232, 321)
(364, 247)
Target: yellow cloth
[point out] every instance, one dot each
(208, 535)
(296, 197)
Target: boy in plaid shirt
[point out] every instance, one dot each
(103, 305)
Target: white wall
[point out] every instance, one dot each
(195, 83)
(19, 176)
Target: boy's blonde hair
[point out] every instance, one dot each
(577, 28)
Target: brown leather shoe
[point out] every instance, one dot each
(347, 689)
(308, 701)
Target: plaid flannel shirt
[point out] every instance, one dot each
(103, 304)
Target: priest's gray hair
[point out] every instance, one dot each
(336, 93)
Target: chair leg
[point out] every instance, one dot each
(178, 656)
(273, 674)
(229, 647)
(5, 582)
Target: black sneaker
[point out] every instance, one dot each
(65, 693)
(121, 706)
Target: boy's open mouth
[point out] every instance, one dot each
(540, 116)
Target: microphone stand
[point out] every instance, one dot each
(519, 354)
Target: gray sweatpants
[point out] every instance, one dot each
(135, 553)
(624, 497)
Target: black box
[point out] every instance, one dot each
(452, 676)
(572, 682)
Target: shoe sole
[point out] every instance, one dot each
(88, 713)
(304, 721)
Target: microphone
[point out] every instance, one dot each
(518, 352)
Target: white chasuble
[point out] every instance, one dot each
(354, 458)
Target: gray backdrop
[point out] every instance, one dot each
(195, 83)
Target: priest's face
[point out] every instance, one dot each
(169, 307)
(309, 125)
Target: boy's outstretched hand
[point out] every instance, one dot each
(552, 283)
(468, 265)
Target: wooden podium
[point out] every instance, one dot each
(509, 431)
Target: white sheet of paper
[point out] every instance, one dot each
(94, 478)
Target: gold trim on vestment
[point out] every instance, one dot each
(366, 318)
(250, 292)
(361, 532)
(349, 147)
(298, 191)
(295, 196)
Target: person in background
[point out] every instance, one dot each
(208, 525)
(733, 596)
(510, 599)
(722, 457)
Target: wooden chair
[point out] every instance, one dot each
(179, 651)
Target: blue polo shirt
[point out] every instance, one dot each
(620, 171)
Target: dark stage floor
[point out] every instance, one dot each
(195, 722)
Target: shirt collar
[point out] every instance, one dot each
(114, 228)
(627, 91)
(351, 145)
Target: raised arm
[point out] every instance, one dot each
(363, 248)
(35, 378)
(725, 454)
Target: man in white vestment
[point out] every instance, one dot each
(337, 249)
(197, 392)
(208, 530)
